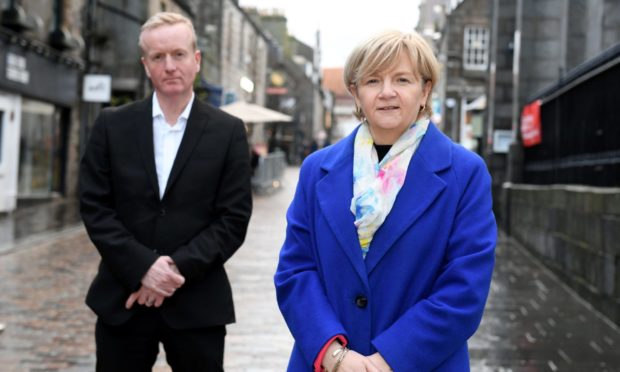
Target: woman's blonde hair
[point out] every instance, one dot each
(383, 51)
(166, 18)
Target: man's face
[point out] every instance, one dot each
(170, 60)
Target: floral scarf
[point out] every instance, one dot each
(376, 184)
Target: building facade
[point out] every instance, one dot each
(344, 121)
(294, 88)
(48, 49)
(465, 50)
(562, 54)
(243, 57)
(40, 70)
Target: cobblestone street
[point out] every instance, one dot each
(44, 278)
(532, 322)
(48, 327)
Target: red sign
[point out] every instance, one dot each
(531, 132)
(276, 91)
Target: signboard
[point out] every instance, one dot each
(97, 88)
(16, 68)
(501, 140)
(530, 124)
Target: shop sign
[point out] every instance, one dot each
(97, 88)
(16, 69)
(530, 124)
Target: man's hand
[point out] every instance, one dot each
(163, 277)
(146, 297)
(161, 281)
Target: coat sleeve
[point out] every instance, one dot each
(300, 293)
(434, 328)
(225, 234)
(122, 254)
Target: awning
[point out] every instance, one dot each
(480, 103)
(253, 113)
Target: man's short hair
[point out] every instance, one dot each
(166, 18)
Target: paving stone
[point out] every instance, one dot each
(532, 322)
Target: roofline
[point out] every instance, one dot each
(582, 72)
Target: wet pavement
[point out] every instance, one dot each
(36, 220)
(531, 323)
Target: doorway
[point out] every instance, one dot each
(10, 118)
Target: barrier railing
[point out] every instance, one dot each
(267, 176)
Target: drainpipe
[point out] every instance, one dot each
(515, 70)
(515, 152)
(492, 81)
(85, 107)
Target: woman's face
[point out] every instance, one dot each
(391, 100)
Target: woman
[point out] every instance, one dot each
(390, 241)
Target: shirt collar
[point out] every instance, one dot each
(184, 115)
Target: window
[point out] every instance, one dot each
(39, 149)
(476, 48)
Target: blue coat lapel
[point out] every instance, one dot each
(422, 186)
(334, 193)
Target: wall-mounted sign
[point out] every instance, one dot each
(530, 124)
(97, 88)
(501, 140)
(246, 84)
(16, 69)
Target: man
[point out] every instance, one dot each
(166, 199)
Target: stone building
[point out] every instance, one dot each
(464, 50)
(344, 104)
(40, 74)
(552, 51)
(294, 87)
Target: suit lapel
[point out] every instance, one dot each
(422, 186)
(334, 192)
(193, 131)
(144, 118)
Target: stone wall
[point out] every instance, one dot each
(575, 231)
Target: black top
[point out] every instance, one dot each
(382, 150)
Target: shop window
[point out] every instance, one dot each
(39, 153)
(476, 48)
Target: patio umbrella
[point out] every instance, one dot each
(253, 113)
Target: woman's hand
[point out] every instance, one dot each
(356, 362)
(379, 362)
(352, 361)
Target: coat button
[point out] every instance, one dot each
(162, 212)
(361, 302)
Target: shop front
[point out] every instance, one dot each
(38, 90)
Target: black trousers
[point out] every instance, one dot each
(133, 346)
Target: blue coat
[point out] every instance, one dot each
(420, 293)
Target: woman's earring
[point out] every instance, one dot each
(359, 113)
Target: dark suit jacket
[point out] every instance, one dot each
(200, 222)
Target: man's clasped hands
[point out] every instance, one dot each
(160, 281)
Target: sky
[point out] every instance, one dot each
(342, 23)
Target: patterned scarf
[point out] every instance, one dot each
(376, 184)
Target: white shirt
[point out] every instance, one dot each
(166, 141)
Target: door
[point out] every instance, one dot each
(10, 113)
